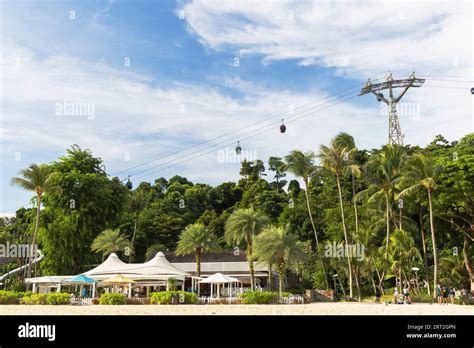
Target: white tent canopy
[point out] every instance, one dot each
(219, 278)
(110, 266)
(157, 265)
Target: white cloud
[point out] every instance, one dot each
(362, 37)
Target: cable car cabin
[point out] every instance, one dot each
(472, 90)
(129, 185)
(238, 149)
(282, 128)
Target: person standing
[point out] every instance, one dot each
(395, 296)
(377, 294)
(439, 296)
(406, 294)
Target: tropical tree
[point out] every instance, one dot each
(421, 171)
(345, 140)
(403, 253)
(336, 160)
(245, 224)
(110, 241)
(40, 180)
(382, 173)
(275, 245)
(136, 205)
(276, 165)
(302, 166)
(197, 239)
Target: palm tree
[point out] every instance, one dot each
(275, 245)
(38, 179)
(382, 173)
(335, 159)
(346, 140)
(136, 204)
(422, 171)
(197, 239)
(245, 224)
(302, 166)
(403, 251)
(110, 241)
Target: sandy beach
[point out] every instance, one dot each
(306, 309)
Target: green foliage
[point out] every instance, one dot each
(12, 297)
(263, 297)
(52, 298)
(166, 297)
(112, 299)
(110, 241)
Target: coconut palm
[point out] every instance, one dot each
(336, 160)
(421, 171)
(302, 166)
(40, 180)
(382, 174)
(275, 245)
(110, 241)
(245, 224)
(136, 204)
(403, 252)
(345, 140)
(196, 238)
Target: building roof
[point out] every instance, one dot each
(224, 256)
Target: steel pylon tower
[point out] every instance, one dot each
(395, 135)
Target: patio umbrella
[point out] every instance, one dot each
(82, 280)
(118, 280)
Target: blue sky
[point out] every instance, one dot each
(182, 86)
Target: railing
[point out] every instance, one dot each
(83, 301)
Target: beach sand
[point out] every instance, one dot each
(301, 309)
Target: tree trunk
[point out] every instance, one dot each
(31, 257)
(425, 259)
(314, 229)
(357, 276)
(355, 205)
(345, 236)
(198, 262)
(387, 207)
(250, 261)
(467, 260)
(433, 239)
(133, 239)
(270, 277)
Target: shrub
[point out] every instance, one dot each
(112, 299)
(262, 297)
(165, 297)
(52, 298)
(58, 298)
(10, 297)
(35, 299)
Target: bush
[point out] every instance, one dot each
(10, 297)
(165, 297)
(58, 298)
(35, 299)
(262, 297)
(112, 299)
(52, 298)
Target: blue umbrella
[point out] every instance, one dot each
(81, 279)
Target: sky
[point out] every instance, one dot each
(134, 81)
